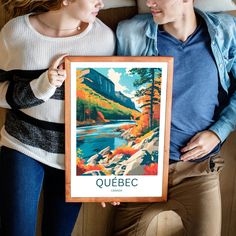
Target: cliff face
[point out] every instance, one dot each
(126, 101)
(106, 87)
(99, 83)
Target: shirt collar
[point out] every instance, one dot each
(151, 28)
(212, 23)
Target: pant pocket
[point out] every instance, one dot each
(216, 163)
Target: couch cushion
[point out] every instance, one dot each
(206, 5)
(218, 5)
(113, 16)
(118, 3)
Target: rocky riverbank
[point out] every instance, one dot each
(126, 164)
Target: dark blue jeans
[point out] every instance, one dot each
(22, 179)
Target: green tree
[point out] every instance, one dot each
(147, 77)
(80, 110)
(94, 113)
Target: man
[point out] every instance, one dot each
(203, 111)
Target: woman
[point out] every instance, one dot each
(32, 140)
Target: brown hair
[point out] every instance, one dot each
(21, 7)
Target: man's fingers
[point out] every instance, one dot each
(112, 203)
(194, 142)
(195, 137)
(200, 145)
(194, 157)
(190, 146)
(191, 154)
(199, 156)
(115, 203)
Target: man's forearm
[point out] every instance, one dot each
(227, 121)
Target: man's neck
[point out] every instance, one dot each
(184, 27)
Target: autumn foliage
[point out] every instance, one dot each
(140, 139)
(152, 169)
(93, 106)
(126, 127)
(149, 118)
(125, 150)
(82, 168)
(101, 116)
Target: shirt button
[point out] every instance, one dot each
(221, 65)
(213, 43)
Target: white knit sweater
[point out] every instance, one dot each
(36, 107)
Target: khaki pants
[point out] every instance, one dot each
(193, 193)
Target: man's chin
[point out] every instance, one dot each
(161, 21)
(158, 21)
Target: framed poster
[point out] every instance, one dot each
(117, 116)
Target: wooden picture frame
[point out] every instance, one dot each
(117, 126)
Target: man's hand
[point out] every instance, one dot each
(112, 203)
(200, 145)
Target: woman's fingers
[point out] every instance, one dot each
(58, 61)
(56, 73)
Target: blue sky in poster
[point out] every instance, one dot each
(123, 81)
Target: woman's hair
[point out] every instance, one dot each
(21, 7)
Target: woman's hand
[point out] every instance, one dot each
(112, 203)
(200, 145)
(56, 72)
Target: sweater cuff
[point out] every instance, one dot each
(42, 88)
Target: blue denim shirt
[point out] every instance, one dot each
(138, 37)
